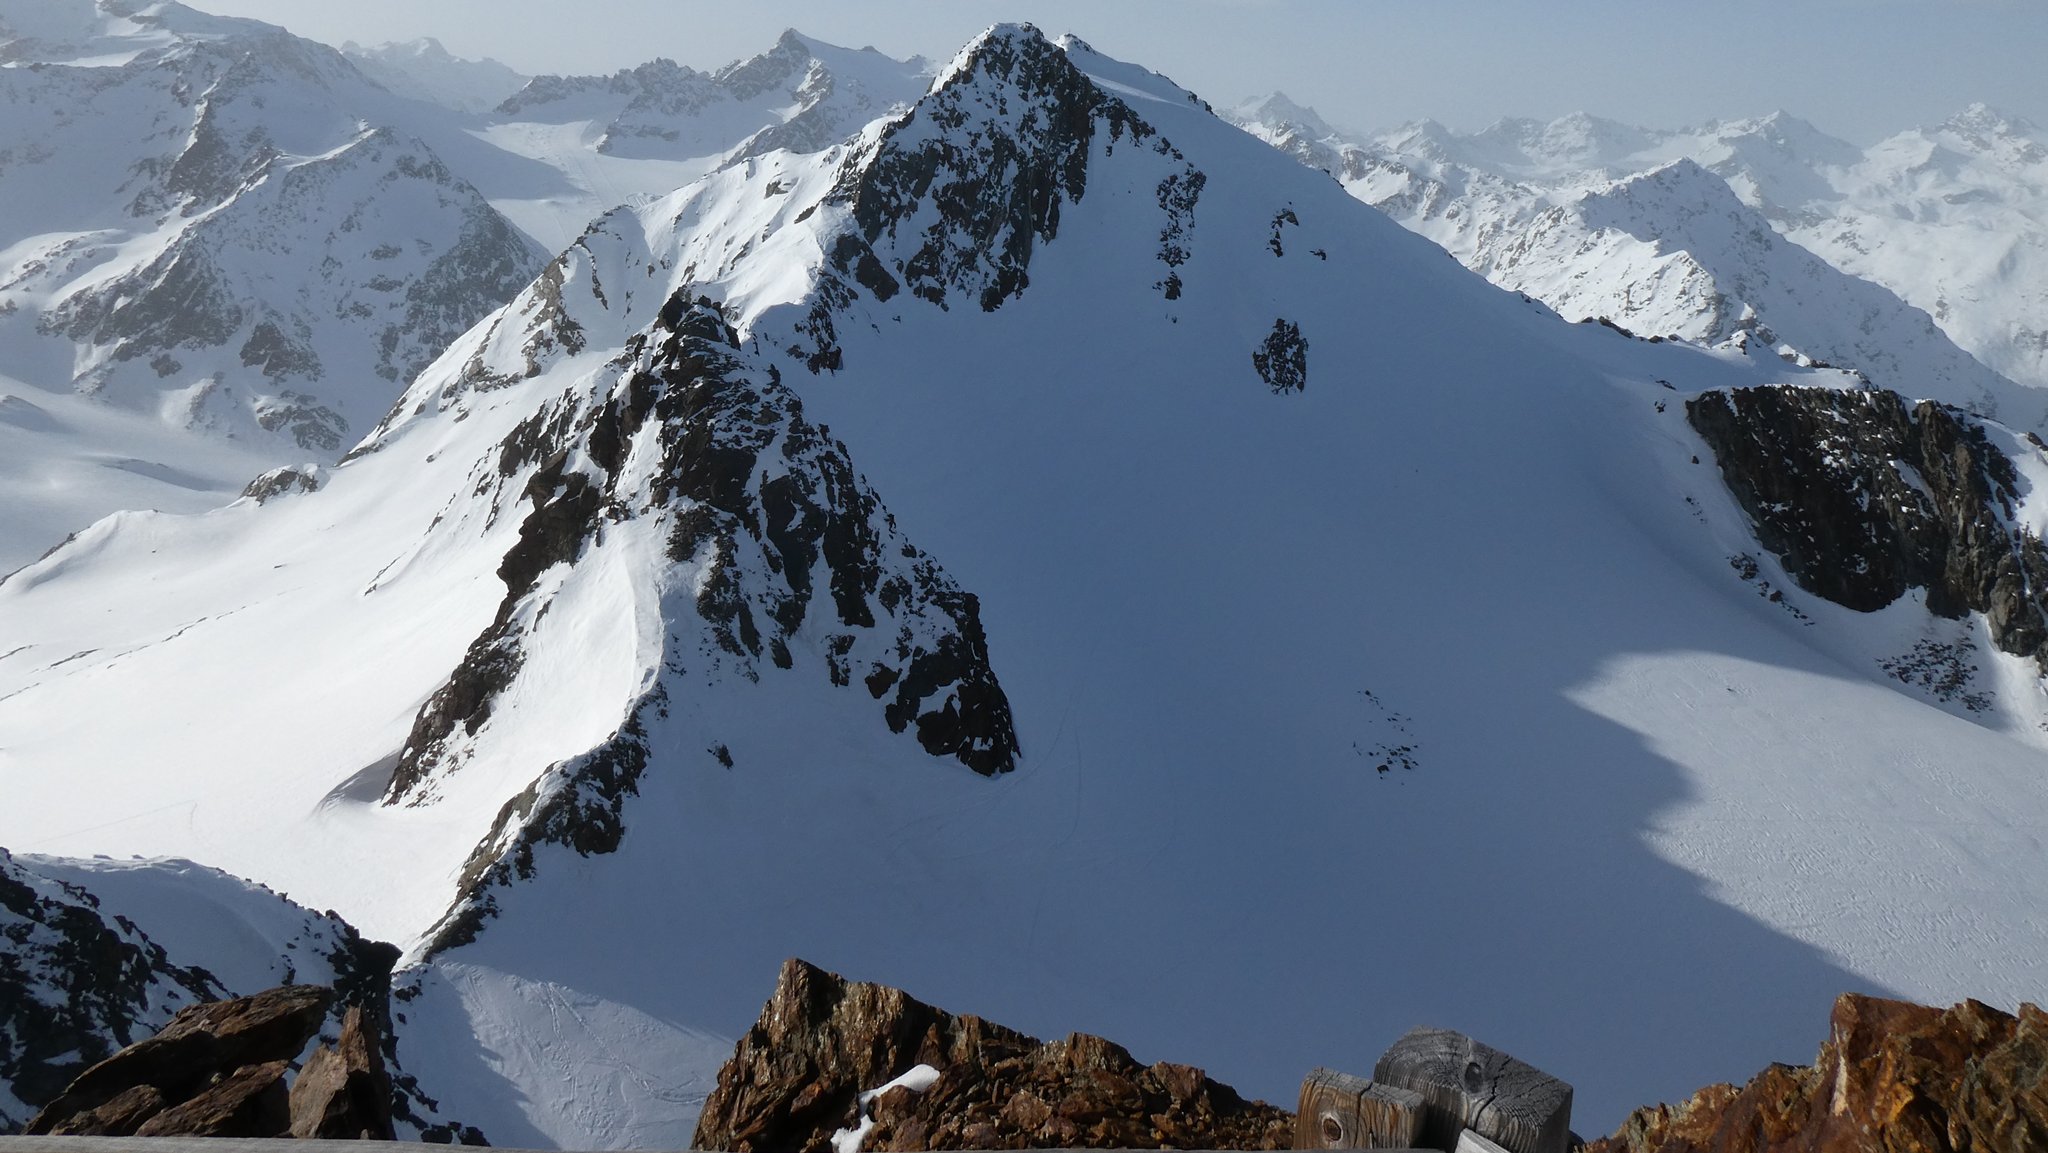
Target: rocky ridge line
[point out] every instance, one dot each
(799, 1075)
(701, 446)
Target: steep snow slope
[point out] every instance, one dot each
(424, 70)
(1581, 214)
(643, 132)
(1365, 647)
(210, 226)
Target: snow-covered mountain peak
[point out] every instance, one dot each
(1982, 120)
(802, 94)
(255, 252)
(1575, 141)
(1275, 109)
(424, 69)
(421, 48)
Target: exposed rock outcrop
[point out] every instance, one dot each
(997, 192)
(344, 1092)
(250, 1102)
(218, 1070)
(708, 452)
(1863, 497)
(209, 1072)
(823, 1042)
(1893, 1077)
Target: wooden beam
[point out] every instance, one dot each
(1467, 1085)
(1339, 1111)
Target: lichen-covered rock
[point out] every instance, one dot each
(1893, 1077)
(822, 1041)
(202, 1044)
(1863, 497)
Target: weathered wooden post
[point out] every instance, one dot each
(1339, 1111)
(1467, 1085)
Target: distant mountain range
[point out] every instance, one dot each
(1952, 219)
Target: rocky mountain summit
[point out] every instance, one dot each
(1892, 1076)
(803, 1079)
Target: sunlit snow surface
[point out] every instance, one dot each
(1655, 821)
(1952, 218)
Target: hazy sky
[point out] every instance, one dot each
(1859, 68)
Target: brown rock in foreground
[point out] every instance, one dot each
(200, 1047)
(120, 1117)
(1893, 1077)
(797, 1076)
(344, 1093)
(248, 1103)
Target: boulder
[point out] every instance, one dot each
(120, 1117)
(250, 1102)
(807, 1068)
(201, 1047)
(1892, 1076)
(344, 1092)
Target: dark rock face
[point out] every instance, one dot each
(109, 983)
(995, 201)
(1282, 361)
(343, 1092)
(998, 189)
(283, 482)
(1862, 498)
(211, 1066)
(1893, 1076)
(822, 1042)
